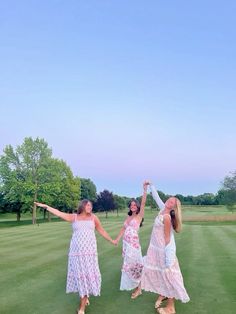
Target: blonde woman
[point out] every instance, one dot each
(161, 272)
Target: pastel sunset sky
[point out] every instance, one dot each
(124, 90)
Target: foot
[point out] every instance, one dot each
(81, 312)
(159, 301)
(87, 302)
(136, 293)
(165, 310)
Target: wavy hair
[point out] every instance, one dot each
(138, 209)
(176, 216)
(82, 206)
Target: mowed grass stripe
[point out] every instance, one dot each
(217, 269)
(221, 245)
(40, 289)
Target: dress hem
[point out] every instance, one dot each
(167, 296)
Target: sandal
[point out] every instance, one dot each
(136, 293)
(163, 310)
(159, 302)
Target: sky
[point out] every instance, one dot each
(124, 91)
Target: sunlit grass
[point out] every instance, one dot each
(34, 264)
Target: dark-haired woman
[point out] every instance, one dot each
(161, 272)
(131, 252)
(83, 275)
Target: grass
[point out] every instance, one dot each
(33, 268)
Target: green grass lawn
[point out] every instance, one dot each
(33, 266)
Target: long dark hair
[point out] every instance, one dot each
(138, 209)
(82, 205)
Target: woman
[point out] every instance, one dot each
(161, 273)
(132, 255)
(83, 274)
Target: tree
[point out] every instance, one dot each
(88, 190)
(205, 199)
(227, 194)
(120, 202)
(105, 201)
(29, 173)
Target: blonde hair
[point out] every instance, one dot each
(178, 216)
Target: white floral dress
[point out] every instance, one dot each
(83, 274)
(132, 257)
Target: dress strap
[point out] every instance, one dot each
(74, 217)
(167, 215)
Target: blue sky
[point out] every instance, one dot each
(124, 90)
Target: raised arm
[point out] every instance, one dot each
(56, 212)
(156, 197)
(144, 197)
(102, 232)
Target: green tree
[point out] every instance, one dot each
(88, 190)
(29, 173)
(120, 203)
(227, 194)
(105, 201)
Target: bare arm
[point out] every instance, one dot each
(102, 232)
(56, 212)
(144, 197)
(167, 227)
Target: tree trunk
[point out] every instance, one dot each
(18, 215)
(106, 213)
(34, 219)
(49, 216)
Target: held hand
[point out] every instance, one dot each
(114, 242)
(147, 182)
(145, 186)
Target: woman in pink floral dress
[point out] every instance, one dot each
(161, 273)
(132, 255)
(83, 275)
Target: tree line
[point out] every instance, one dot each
(30, 172)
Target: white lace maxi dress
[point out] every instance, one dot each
(156, 276)
(83, 274)
(132, 257)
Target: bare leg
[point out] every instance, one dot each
(169, 309)
(136, 292)
(159, 301)
(171, 305)
(83, 303)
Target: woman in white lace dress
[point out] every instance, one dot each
(83, 275)
(132, 255)
(161, 272)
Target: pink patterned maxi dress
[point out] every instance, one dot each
(132, 257)
(156, 277)
(83, 270)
